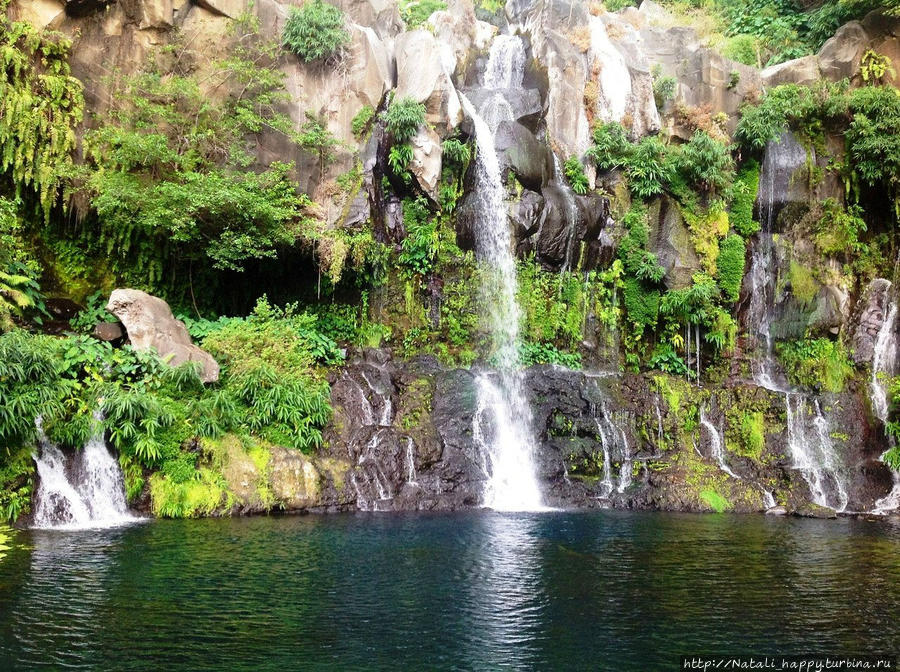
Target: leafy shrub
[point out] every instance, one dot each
(820, 363)
(399, 158)
(419, 249)
(641, 303)
(611, 147)
(94, 313)
(362, 120)
(403, 117)
(839, 230)
(574, 172)
(743, 198)
(750, 431)
(649, 169)
(706, 163)
(547, 353)
(732, 253)
(416, 12)
(455, 151)
(663, 86)
(743, 49)
(283, 338)
(315, 31)
(665, 358)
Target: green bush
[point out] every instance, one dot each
(663, 86)
(611, 147)
(743, 199)
(362, 120)
(419, 249)
(649, 169)
(282, 338)
(315, 31)
(743, 49)
(641, 303)
(732, 253)
(574, 172)
(403, 118)
(416, 12)
(706, 163)
(750, 431)
(820, 363)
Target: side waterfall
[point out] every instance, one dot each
(883, 366)
(509, 446)
(87, 494)
(809, 442)
(717, 447)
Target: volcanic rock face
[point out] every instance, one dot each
(151, 325)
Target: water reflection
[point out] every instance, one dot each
(483, 590)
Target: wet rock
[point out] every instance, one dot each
(526, 214)
(776, 511)
(868, 319)
(560, 229)
(670, 241)
(151, 325)
(528, 158)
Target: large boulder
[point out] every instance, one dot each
(426, 162)
(671, 242)
(151, 325)
(530, 159)
(424, 76)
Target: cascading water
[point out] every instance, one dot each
(93, 496)
(613, 437)
(883, 366)
(571, 214)
(512, 483)
(813, 454)
(717, 447)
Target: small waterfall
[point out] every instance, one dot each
(613, 438)
(883, 360)
(410, 461)
(883, 365)
(813, 453)
(505, 70)
(371, 484)
(717, 446)
(512, 483)
(571, 214)
(88, 494)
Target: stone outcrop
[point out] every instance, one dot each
(150, 324)
(403, 438)
(868, 319)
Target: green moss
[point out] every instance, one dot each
(750, 432)
(816, 363)
(202, 496)
(732, 253)
(803, 285)
(715, 501)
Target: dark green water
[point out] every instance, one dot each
(474, 591)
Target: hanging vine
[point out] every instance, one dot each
(41, 104)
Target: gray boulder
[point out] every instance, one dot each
(151, 325)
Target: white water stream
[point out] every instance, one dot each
(508, 439)
(91, 495)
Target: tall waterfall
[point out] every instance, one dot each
(809, 442)
(86, 494)
(883, 365)
(509, 443)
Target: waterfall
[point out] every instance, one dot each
(883, 363)
(716, 445)
(613, 437)
(505, 70)
(571, 214)
(813, 454)
(86, 494)
(512, 483)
